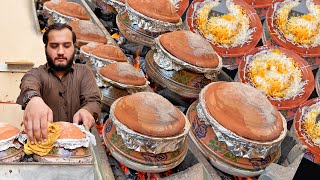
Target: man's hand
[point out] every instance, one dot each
(36, 117)
(83, 116)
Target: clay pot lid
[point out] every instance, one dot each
(307, 75)
(150, 114)
(89, 47)
(72, 9)
(300, 129)
(70, 131)
(51, 5)
(162, 10)
(190, 47)
(255, 22)
(260, 3)
(7, 131)
(109, 52)
(243, 110)
(123, 73)
(270, 21)
(87, 31)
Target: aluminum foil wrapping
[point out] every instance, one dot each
(97, 62)
(8, 143)
(123, 86)
(150, 24)
(69, 143)
(144, 143)
(118, 6)
(58, 17)
(169, 62)
(238, 145)
(101, 83)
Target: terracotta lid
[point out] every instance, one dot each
(243, 110)
(53, 4)
(123, 73)
(109, 52)
(191, 48)
(90, 46)
(70, 131)
(7, 131)
(72, 9)
(87, 31)
(150, 114)
(162, 10)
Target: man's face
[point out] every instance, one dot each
(60, 49)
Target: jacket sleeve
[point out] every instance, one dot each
(30, 83)
(90, 96)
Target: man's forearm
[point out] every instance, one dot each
(26, 96)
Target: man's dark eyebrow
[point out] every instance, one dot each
(55, 43)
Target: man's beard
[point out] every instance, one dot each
(60, 67)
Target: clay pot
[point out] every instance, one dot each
(87, 31)
(98, 55)
(64, 12)
(183, 82)
(162, 10)
(122, 75)
(144, 162)
(60, 154)
(8, 137)
(154, 116)
(218, 153)
(132, 32)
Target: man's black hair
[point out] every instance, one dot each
(57, 26)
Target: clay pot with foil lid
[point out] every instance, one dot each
(87, 31)
(242, 117)
(145, 20)
(72, 146)
(98, 55)
(64, 12)
(150, 125)
(231, 41)
(120, 79)
(218, 153)
(184, 62)
(122, 75)
(265, 63)
(154, 15)
(10, 148)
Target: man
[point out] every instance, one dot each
(58, 90)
